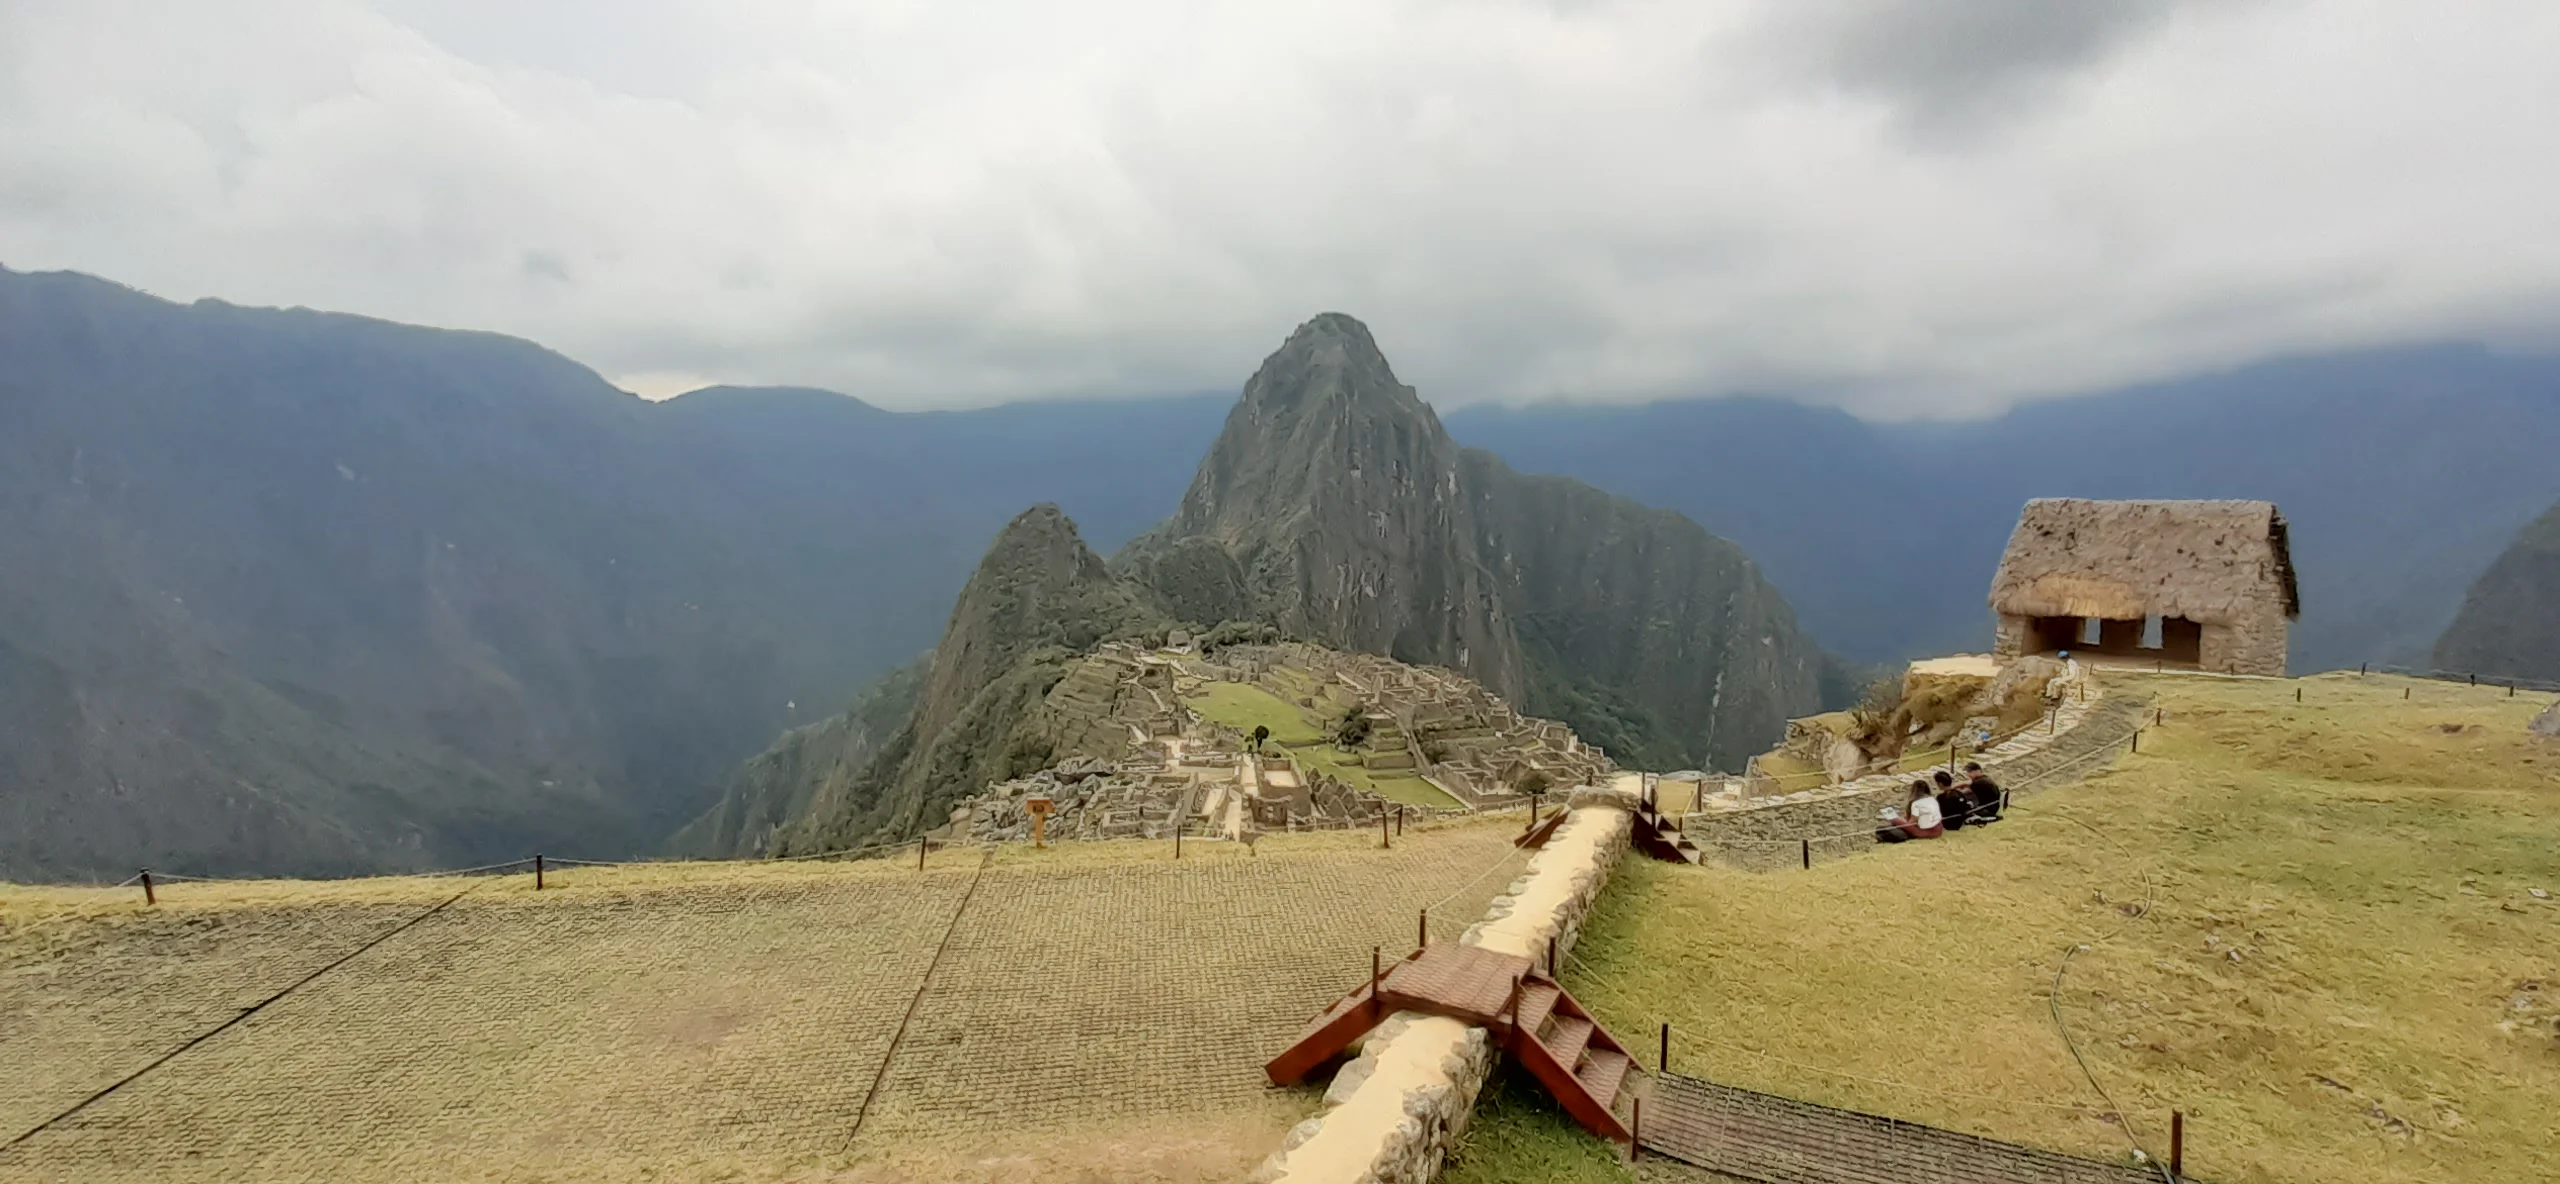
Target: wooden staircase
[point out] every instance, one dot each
(1530, 1015)
(1658, 834)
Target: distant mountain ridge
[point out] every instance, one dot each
(2403, 471)
(298, 592)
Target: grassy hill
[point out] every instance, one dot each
(2311, 927)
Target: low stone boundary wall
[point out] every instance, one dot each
(1392, 1113)
(1777, 836)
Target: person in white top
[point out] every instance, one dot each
(1919, 818)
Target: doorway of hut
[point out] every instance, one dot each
(2174, 642)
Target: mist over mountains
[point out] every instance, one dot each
(293, 592)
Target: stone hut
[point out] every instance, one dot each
(2196, 585)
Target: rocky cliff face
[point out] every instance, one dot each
(1334, 506)
(1335, 493)
(972, 717)
(1654, 639)
(2509, 626)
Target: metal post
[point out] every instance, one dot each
(1808, 854)
(537, 871)
(148, 896)
(2177, 1144)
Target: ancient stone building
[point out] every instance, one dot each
(2197, 585)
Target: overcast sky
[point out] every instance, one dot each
(1897, 206)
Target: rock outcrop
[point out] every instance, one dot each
(2508, 627)
(1335, 507)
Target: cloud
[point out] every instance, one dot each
(1947, 65)
(1900, 208)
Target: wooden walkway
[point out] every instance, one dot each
(1767, 1139)
(1531, 1017)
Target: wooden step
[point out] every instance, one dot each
(1601, 1073)
(1536, 1000)
(1566, 1039)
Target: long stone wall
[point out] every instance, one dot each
(1842, 823)
(1392, 1113)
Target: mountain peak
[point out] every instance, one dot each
(1329, 360)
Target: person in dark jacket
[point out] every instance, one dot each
(1955, 803)
(1988, 798)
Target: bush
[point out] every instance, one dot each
(1352, 730)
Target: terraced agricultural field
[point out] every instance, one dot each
(1099, 1008)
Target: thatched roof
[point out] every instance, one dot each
(2207, 561)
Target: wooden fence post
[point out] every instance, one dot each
(1422, 931)
(1383, 841)
(2177, 1144)
(920, 842)
(537, 871)
(1808, 854)
(148, 896)
(1663, 1064)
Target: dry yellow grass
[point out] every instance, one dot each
(2342, 974)
(1099, 1010)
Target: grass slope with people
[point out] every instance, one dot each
(2314, 928)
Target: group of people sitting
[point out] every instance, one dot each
(1934, 810)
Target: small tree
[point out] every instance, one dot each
(1536, 783)
(1260, 734)
(1352, 730)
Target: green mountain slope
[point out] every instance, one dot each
(294, 592)
(2509, 626)
(1038, 598)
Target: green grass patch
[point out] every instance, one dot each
(2341, 972)
(1244, 706)
(1519, 1134)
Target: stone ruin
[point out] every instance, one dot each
(1439, 724)
(1147, 764)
